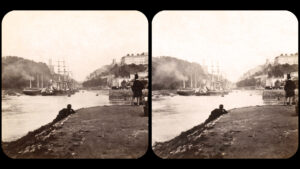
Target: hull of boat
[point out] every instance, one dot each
(32, 92)
(201, 94)
(58, 93)
(186, 92)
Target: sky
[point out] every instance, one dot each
(86, 40)
(237, 40)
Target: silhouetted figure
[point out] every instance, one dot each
(216, 113)
(289, 88)
(277, 84)
(123, 84)
(137, 88)
(64, 113)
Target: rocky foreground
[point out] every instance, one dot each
(97, 132)
(251, 132)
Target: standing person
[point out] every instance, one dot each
(289, 88)
(137, 88)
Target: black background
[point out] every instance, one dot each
(150, 8)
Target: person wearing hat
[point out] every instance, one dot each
(289, 88)
(137, 88)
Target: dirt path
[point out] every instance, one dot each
(252, 132)
(97, 132)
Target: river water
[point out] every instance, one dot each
(21, 114)
(172, 115)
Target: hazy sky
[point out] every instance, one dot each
(239, 40)
(86, 40)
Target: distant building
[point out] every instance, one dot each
(261, 78)
(294, 75)
(286, 59)
(117, 82)
(142, 75)
(138, 59)
(270, 82)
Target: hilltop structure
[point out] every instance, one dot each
(286, 59)
(115, 73)
(135, 59)
(272, 72)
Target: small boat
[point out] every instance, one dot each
(199, 93)
(47, 92)
(32, 91)
(202, 92)
(186, 92)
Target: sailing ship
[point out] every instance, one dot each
(60, 83)
(186, 91)
(217, 85)
(208, 87)
(33, 91)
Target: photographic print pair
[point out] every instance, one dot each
(76, 84)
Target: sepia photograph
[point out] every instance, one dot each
(225, 84)
(74, 84)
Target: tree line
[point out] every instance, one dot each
(17, 71)
(277, 71)
(169, 73)
(116, 70)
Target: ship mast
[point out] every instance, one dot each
(191, 80)
(30, 82)
(218, 71)
(195, 81)
(42, 81)
(37, 81)
(212, 76)
(64, 75)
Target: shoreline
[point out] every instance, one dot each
(268, 131)
(12, 92)
(118, 131)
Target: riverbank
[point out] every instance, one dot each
(250, 132)
(96, 132)
(12, 92)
